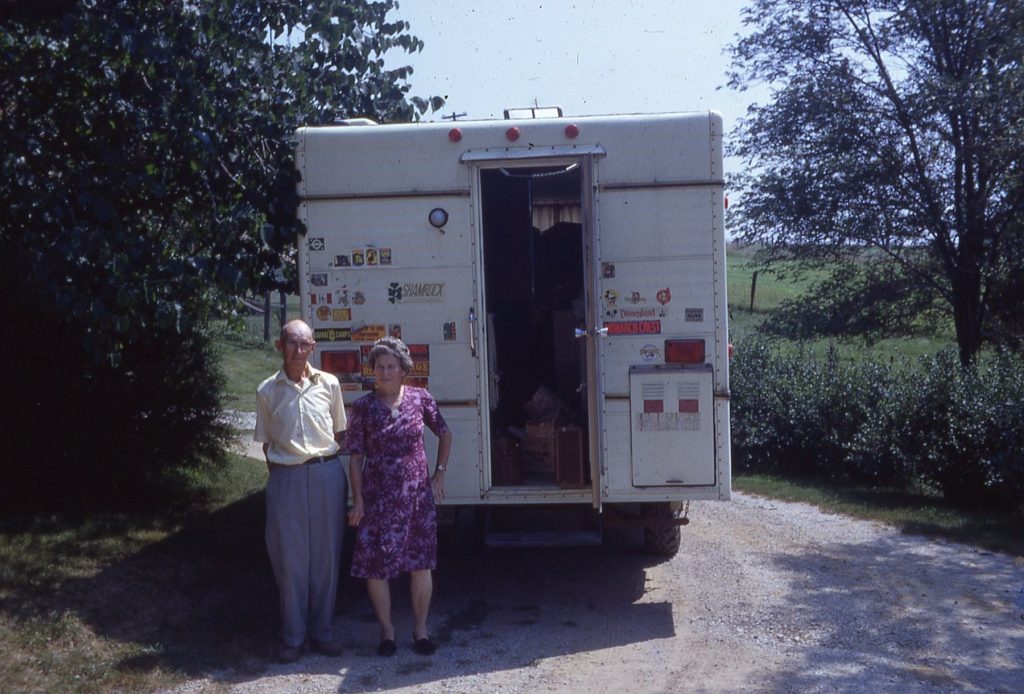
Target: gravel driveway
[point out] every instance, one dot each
(764, 596)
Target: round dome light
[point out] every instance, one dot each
(438, 217)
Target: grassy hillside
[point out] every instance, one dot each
(770, 291)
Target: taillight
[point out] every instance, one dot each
(684, 351)
(340, 361)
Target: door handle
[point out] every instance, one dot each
(472, 331)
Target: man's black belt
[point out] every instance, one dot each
(320, 459)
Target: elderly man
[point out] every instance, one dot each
(300, 420)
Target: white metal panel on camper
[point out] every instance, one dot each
(578, 268)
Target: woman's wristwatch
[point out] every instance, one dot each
(440, 468)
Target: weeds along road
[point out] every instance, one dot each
(764, 596)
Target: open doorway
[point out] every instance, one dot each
(534, 302)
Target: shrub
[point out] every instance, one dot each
(964, 431)
(795, 412)
(933, 424)
(88, 435)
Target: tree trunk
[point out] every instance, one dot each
(967, 309)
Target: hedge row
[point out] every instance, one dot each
(930, 424)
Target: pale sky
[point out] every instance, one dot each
(588, 56)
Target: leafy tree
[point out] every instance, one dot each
(893, 149)
(145, 167)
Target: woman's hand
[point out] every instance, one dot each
(437, 485)
(355, 514)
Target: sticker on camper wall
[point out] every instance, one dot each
(323, 313)
(668, 421)
(318, 279)
(357, 257)
(610, 297)
(316, 243)
(341, 261)
(649, 353)
(636, 327)
(635, 297)
(449, 331)
(332, 334)
(385, 256)
(608, 270)
(371, 255)
(645, 312)
(358, 298)
(664, 296)
(341, 314)
(369, 333)
(415, 292)
(694, 315)
(341, 296)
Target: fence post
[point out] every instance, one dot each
(753, 288)
(266, 316)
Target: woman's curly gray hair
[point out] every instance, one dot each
(394, 347)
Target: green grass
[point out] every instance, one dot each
(918, 514)
(771, 291)
(245, 362)
(138, 602)
(246, 359)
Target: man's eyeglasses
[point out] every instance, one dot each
(300, 346)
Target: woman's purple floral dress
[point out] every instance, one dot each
(398, 532)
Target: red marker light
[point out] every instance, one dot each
(512, 134)
(455, 134)
(726, 202)
(684, 351)
(572, 131)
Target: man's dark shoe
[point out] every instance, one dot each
(289, 654)
(329, 648)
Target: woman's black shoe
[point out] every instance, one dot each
(387, 647)
(424, 646)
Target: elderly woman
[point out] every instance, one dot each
(393, 493)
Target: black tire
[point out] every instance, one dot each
(664, 540)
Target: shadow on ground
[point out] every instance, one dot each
(202, 603)
(202, 598)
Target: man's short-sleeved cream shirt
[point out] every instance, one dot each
(299, 420)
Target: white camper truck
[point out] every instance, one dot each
(561, 285)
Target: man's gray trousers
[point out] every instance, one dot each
(305, 527)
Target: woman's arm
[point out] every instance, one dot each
(444, 448)
(355, 479)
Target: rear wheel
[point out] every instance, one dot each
(659, 536)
